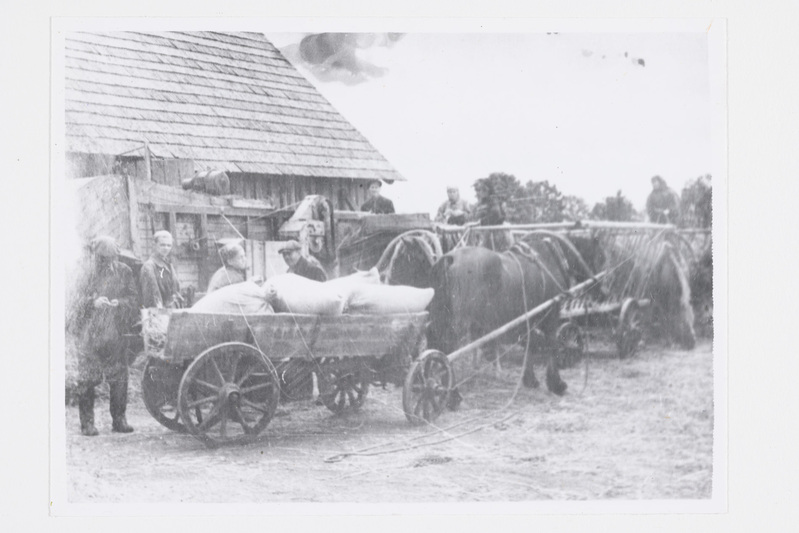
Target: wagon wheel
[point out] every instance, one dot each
(571, 345)
(343, 390)
(428, 386)
(159, 386)
(630, 329)
(228, 394)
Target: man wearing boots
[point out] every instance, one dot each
(105, 311)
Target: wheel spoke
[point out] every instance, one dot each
(260, 386)
(234, 366)
(212, 418)
(203, 401)
(351, 396)
(218, 372)
(242, 419)
(418, 407)
(223, 425)
(246, 375)
(254, 405)
(206, 385)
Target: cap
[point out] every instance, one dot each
(290, 246)
(104, 246)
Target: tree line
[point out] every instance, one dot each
(541, 201)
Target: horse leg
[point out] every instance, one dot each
(529, 379)
(555, 384)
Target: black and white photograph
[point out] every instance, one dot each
(460, 264)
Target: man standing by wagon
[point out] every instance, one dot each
(159, 280)
(104, 312)
(292, 255)
(377, 204)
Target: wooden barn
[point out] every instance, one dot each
(147, 111)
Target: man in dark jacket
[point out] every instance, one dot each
(104, 312)
(663, 204)
(159, 280)
(377, 204)
(292, 255)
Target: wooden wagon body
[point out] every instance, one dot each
(221, 376)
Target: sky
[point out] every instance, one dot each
(591, 113)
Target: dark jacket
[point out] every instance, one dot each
(378, 206)
(159, 283)
(308, 270)
(660, 201)
(98, 328)
(489, 212)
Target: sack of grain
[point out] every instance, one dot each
(387, 299)
(369, 277)
(290, 293)
(240, 298)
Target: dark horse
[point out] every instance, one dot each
(478, 290)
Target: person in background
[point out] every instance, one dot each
(159, 280)
(454, 210)
(663, 204)
(104, 311)
(292, 255)
(488, 211)
(233, 270)
(377, 204)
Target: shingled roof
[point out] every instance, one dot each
(228, 101)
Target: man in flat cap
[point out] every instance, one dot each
(377, 204)
(292, 255)
(103, 313)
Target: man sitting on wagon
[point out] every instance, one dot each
(102, 314)
(663, 204)
(455, 210)
(292, 255)
(233, 270)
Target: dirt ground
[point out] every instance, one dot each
(642, 428)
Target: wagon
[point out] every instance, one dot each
(220, 377)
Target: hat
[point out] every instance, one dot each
(290, 247)
(104, 246)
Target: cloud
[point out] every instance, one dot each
(349, 58)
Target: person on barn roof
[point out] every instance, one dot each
(377, 204)
(103, 313)
(233, 270)
(159, 280)
(663, 204)
(292, 255)
(454, 210)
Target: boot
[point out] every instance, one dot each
(86, 410)
(119, 401)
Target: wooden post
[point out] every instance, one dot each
(133, 213)
(205, 275)
(147, 162)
